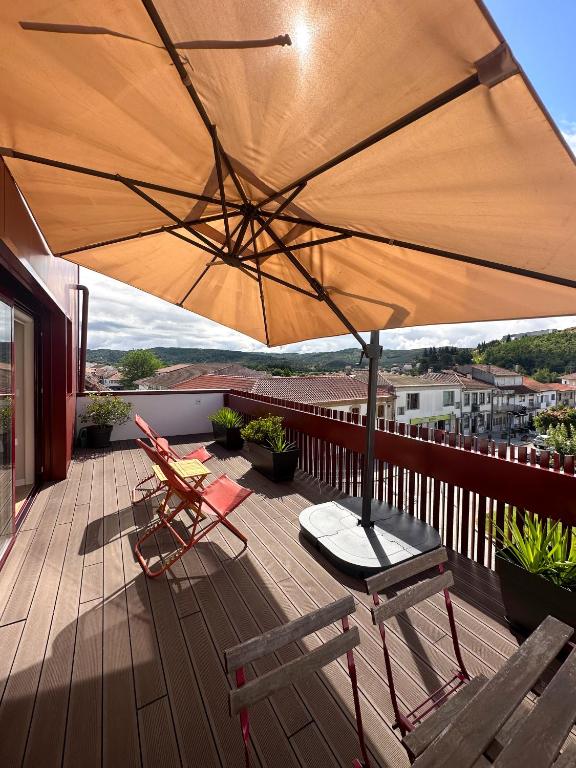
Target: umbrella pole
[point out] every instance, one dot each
(373, 352)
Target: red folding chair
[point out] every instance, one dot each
(216, 501)
(163, 447)
(248, 693)
(382, 610)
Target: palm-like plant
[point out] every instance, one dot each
(226, 417)
(542, 548)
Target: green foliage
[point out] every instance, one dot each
(554, 416)
(226, 417)
(138, 364)
(562, 438)
(297, 362)
(279, 443)
(264, 430)
(438, 358)
(542, 548)
(545, 375)
(106, 410)
(555, 352)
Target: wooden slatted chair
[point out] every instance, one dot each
(216, 502)
(163, 447)
(382, 610)
(248, 693)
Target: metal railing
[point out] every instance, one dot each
(467, 488)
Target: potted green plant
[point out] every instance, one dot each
(537, 570)
(269, 450)
(102, 413)
(226, 425)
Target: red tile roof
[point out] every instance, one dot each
(214, 381)
(563, 387)
(537, 386)
(316, 389)
(301, 389)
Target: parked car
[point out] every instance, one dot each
(541, 441)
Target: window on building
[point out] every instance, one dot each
(466, 421)
(553, 396)
(413, 401)
(474, 398)
(467, 398)
(401, 410)
(522, 398)
(448, 398)
(355, 409)
(488, 398)
(381, 411)
(482, 398)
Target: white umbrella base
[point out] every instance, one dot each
(394, 537)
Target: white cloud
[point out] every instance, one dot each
(122, 317)
(569, 133)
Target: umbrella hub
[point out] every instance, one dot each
(248, 210)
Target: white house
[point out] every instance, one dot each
(421, 400)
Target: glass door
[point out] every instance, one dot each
(6, 428)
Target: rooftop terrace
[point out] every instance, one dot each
(101, 666)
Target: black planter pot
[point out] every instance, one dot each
(277, 465)
(99, 435)
(229, 437)
(528, 598)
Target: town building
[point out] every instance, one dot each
(171, 377)
(421, 400)
(339, 392)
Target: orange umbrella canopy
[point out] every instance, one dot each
(292, 170)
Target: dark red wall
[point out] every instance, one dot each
(44, 286)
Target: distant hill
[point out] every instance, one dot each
(307, 361)
(552, 350)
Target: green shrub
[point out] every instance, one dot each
(542, 548)
(552, 417)
(562, 438)
(226, 417)
(106, 410)
(264, 430)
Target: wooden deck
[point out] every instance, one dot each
(101, 666)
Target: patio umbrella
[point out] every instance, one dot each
(292, 170)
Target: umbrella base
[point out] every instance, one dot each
(334, 529)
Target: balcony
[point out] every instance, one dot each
(101, 666)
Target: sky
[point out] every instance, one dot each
(541, 35)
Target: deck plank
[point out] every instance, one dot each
(48, 727)
(20, 692)
(107, 667)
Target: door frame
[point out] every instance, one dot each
(29, 321)
(4, 554)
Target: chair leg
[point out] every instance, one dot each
(146, 494)
(234, 530)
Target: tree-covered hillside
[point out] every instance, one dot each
(309, 361)
(554, 351)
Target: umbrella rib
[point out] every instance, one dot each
(498, 266)
(285, 203)
(176, 219)
(322, 294)
(145, 233)
(156, 20)
(14, 153)
(216, 147)
(192, 242)
(296, 247)
(262, 302)
(454, 92)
